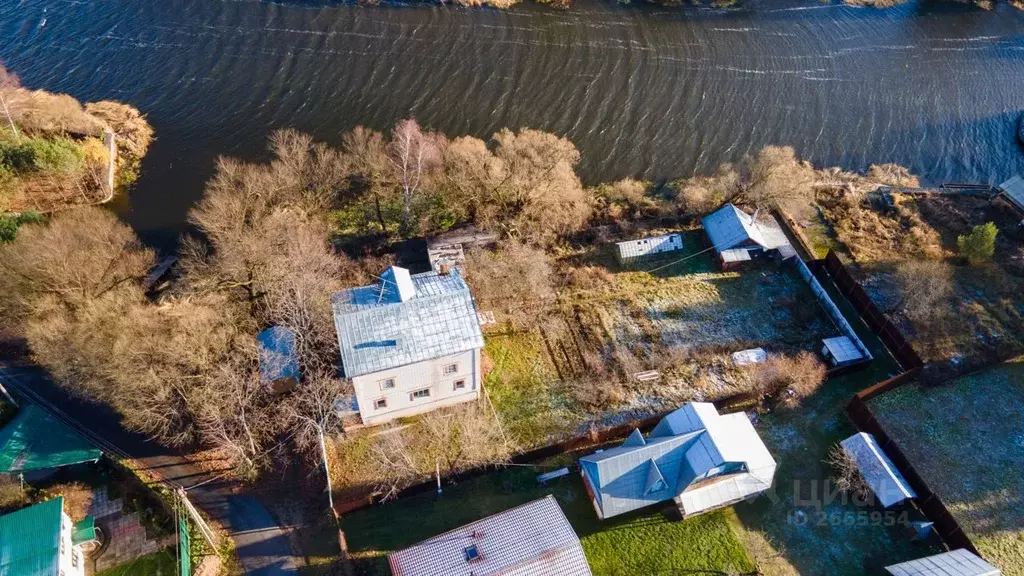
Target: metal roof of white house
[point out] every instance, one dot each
(377, 330)
(534, 539)
(842, 349)
(729, 227)
(878, 471)
(686, 443)
(956, 563)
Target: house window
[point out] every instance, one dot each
(471, 553)
(425, 393)
(380, 403)
(450, 369)
(74, 559)
(387, 383)
(458, 385)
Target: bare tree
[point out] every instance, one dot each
(368, 158)
(515, 281)
(8, 81)
(541, 196)
(78, 256)
(775, 178)
(924, 287)
(313, 414)
(415, 154)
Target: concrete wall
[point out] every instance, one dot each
(830, 307)
(422, 375)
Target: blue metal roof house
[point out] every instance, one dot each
(410, 343)
(279, 360)
(698, 458)
(738, 237)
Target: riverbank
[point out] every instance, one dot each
(56, 153)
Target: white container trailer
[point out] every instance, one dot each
(631, 250)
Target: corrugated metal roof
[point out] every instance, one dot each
(647, 246)
(1014, 190)
(278, 358)
(376, 331)
(534, 539)
(878, 471)
(729, 227)
(956, 563)
(686, 444)
(30, 540)
(34, 440)
(842, 349)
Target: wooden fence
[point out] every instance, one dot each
(872, 316)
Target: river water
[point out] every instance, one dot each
(643, 91)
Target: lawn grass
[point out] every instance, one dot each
(645, 542)
(521, 385)
(832, 540)
(966, 440)
(161, 563)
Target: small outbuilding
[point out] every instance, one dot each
(955, 563)
(635, 250)
(739, 237)
(841, 351)
(279, 360)
(878, 471)
(534, 539)
(1013, 191)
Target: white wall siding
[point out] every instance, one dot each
(67, 566)
(426, 375)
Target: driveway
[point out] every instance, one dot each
(261, 544)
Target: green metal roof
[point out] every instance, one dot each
(30, 540)
(34, 440)
(83, 531)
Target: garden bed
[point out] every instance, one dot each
(679, 319)
(966, 440)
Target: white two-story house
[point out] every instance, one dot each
(41, 540)
(410, 343)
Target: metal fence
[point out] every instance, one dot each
(931, 506)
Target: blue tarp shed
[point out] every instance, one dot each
(279, 361)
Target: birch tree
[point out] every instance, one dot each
(8, 82)
(415, 155)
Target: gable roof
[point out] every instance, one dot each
(30, 539)
(34, 440)
(686, 444)
(729, 227)
(878, 471)
(534, 539)
(377, 330)
(956, 563)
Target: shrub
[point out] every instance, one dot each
(12, 497)
(846, 475)
(41, 155)
(791, 378)
(980, 245)
(77, 498)
(8, 229)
